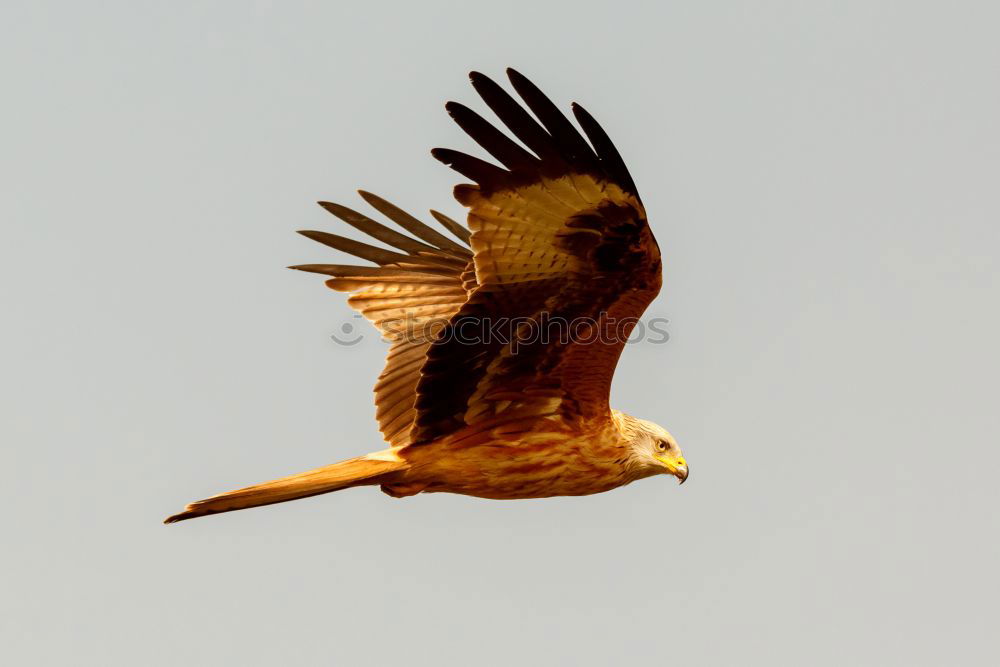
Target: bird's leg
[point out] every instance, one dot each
(403, 490)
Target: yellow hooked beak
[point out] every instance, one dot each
(677, 467)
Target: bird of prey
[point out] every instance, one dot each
(556, 233)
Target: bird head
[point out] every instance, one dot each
(654, 450)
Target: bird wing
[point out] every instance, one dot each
(559, 235)
(406, 295)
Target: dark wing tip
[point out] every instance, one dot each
(456, 110)
(336, 209)
(608, 155)
(482, 172)
(520, 82)
(332, 207)
(558, 145)
(570, 144)
(448, 156)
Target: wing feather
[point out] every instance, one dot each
(408, 296)
(558, 232)
(559, 238)
(572, 147)
(478, 170)
(376, 230)
(412, 225)
(496, 143)
(456, 229)
(517, 120)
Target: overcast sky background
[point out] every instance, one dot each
(822, 178)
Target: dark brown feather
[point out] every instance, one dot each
(482, 172)
(493, 140)
(610, 158)
(571, 145)
(515, 118)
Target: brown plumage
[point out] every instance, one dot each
(557, 242)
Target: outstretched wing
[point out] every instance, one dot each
(562, 251)
(408, 296)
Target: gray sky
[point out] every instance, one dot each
(822, 179)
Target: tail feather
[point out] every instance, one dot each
(369, 469)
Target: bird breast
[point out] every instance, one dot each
(535, 464)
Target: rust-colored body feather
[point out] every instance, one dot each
(492, 463)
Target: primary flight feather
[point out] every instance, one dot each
(505, 335)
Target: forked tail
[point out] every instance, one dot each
(368, 469)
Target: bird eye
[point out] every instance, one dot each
(661, 446)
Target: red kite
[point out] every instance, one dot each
(557, 238)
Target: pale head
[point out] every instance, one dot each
(653, 450)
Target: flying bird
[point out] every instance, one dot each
(556, 235)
